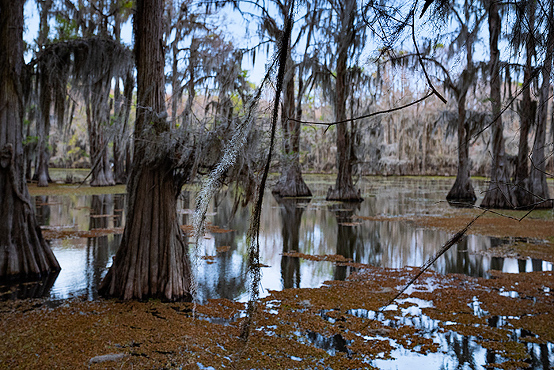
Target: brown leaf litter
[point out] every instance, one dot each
(154, 334)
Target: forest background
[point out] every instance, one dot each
(418, 140)
(369, 88)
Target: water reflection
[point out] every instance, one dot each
(312, 227)
(350, 242)
(226, 276)
(291, 211)
(28, 289)
(309, 226)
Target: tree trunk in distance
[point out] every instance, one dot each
(527, 111)
(25, 252)
(120, 140)
(462, 190)
(152, 260)
(45, 101)
(290, 183)
(538, 185)
(344, 187)
(499, 194)
(98, 115)
(43, 127)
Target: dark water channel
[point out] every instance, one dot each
(312, 227)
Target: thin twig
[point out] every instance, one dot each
(421, 62)
(453, 240)
(364, 116)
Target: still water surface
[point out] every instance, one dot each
(310, 226)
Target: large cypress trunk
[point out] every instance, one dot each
(152, 260)
(527, 111)
(290, 183)
(344, 187)
(462, 190)
(24, 252)
(538, 185)
(499, 194)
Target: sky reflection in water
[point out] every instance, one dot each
(312, 227)
(308, 226)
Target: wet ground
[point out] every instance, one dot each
(487, 303)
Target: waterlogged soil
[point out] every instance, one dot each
(336, 326)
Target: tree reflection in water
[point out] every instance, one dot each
(101, 249)
(350, 243)
(226, 278)
(313, 228)
(291, 210)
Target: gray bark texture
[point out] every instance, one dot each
(499, 194)
(344, 189)
(537, 183)
(23, 250)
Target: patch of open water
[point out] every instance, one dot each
(308, 226)
(313, 227)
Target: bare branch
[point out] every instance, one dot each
(365, 115)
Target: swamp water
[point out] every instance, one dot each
(311, 227)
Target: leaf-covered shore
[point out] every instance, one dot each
(335, 326)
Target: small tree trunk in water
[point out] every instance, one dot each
(97, 110)
(538, 185)
(462, 190)
(499, 194)
(290, 183)
(152, 260)
(527, 111)
(344, 187)
(43, 125)
(24, 251)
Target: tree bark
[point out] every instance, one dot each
(527, 111)
(498, 195)
(98, 115)
(462, 190)
(152, 260)
(538, 185)
(24, 252)
(344, 186)
(290, 183)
